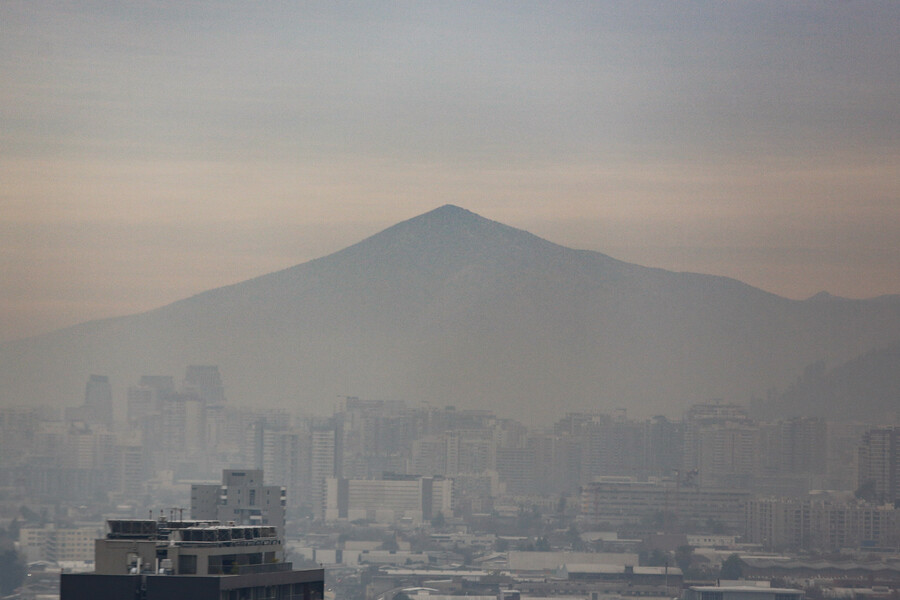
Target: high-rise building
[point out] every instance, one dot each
(98, 407)
(879, 465)
(323, 461)
(797, 446)
(700, 416)
(145, 399)
(547, 479)
(18, 427)
(729, 454)
(476, 454)
(821, 524)
(429, 455)
(722, 444)
(372, 436)
(205, 381)
(191, 560)
(842, 462)
(516, 469)
(281, 458)
(172, 424)
(613, 446)
(130, 470)
(665, 446)
(242, 499)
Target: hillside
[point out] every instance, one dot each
(453, 308)
(866, 389)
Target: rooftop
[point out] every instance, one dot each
(190, 531)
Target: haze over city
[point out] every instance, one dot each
(507, 300)
(153, 151)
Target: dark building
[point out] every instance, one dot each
(205, 381)
(98, 407)
(291, 585)
(195, 560)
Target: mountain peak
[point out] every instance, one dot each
(455, 308)
(450, 210)
(450, 226)
(450, 214)
(824, 296)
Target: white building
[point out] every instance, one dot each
(388, 500)
(242, 498)
(65, 544)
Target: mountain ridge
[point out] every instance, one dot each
(869, 382)
(455, 308)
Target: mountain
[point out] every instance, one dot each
(869, 384)
(452, 308)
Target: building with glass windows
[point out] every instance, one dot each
(193, 560)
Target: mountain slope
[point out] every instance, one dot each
(869, 384)
(453, 308)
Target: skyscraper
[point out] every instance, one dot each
(322, 466)
(205, 381)
(98, 406)
(879, 465)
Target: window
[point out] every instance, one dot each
(187, 564)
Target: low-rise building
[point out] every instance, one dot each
(666, 577)
(623, 500)
(741, 591)
(391, 499)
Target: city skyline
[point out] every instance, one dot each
(153, 152)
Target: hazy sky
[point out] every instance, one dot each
(153, 150)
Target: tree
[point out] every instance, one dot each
(655, 558)
(14, 528)
(438, 521)
(29, 515)
(732, 568)
(573, 536)
(684, 557)
(714, 526)
(867, 491)
(390, 544)
(12, 570)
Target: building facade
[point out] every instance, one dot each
(390, 499)
(812, 524)
(242, 499)
(191, 560)
(620, 500)
(879, 464)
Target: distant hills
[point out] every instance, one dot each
(866, 388)
(452, 308)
